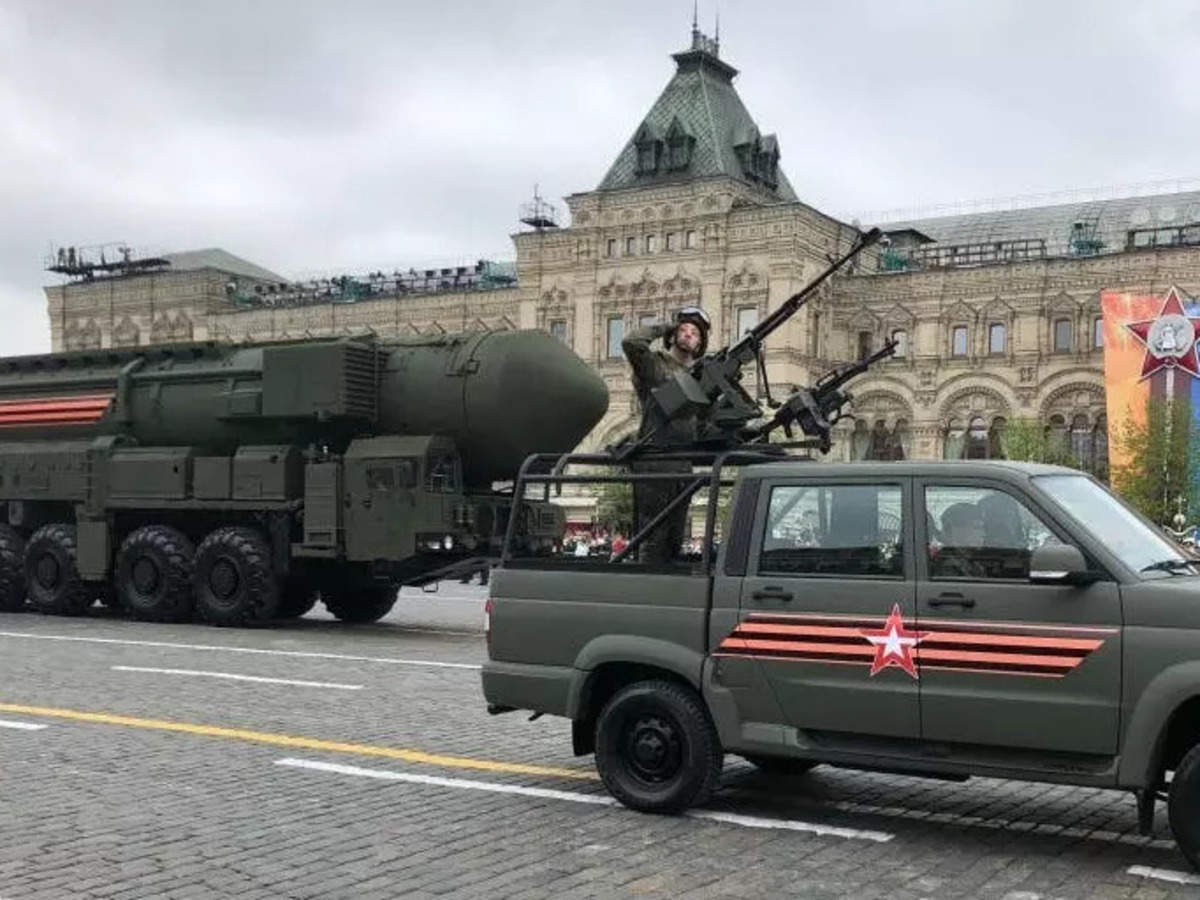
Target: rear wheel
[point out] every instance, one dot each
(233, 580)
(12, 570)
(360, 606)
(299, 596)
(656, 747)
(154, 574)
(1183, 806)
(52, 575)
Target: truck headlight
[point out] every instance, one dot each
(448, 542)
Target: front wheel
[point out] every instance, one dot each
(656, 747)
(51, 573)
(360, 606)
(1183, 806)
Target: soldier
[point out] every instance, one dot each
(684, 341)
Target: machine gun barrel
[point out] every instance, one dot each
(833, 380)
(746, 348)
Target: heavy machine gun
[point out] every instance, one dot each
(817, 409)
(712, 390)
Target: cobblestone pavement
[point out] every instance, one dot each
(127, 773)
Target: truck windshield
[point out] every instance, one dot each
(1116, 526)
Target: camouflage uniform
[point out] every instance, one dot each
(652, 368)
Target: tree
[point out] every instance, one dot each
(1161, 456)
(1029, 440)
(614, 507)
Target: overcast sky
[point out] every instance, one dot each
(316, 137)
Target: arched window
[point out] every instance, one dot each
(880, 441)
(1056, 437)
(860, 440)
(1081, 441)
(996, 448)
(977, 440)
(1100, 447)
(900, 336)
(952, 446)
(901, 441)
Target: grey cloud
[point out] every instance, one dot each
(316, 136)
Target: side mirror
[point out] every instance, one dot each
(1059, 564)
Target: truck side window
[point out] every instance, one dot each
(846, 529)
(980, 533)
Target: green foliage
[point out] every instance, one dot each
(1161, 459)
(614, 507)
(1028, 440)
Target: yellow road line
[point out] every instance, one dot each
(287, 740)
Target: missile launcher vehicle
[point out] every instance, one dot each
(237, 483)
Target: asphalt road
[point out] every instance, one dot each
(320, 760)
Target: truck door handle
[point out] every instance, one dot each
(772, 593)
(951, 599)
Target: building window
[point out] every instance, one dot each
(651, 243)
(630, 246)
(900, 337)
(616, 332)
(1062, 335)
(815, 336)
(997, 335)
(610, 248)
(1056, 437)
(864, 344)
(669, 241)
(958, 341)
(952, 445)
(747, 318)
(558, 329)
(689, 240)
(1097, 332)
(645, 320)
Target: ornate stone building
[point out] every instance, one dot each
(995, 314)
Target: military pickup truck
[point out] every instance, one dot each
(1001, 619)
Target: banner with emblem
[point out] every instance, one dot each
(1150, 350)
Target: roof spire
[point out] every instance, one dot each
(717, 33)
(695, 22)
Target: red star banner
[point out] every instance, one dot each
(1169, 338)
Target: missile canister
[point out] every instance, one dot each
(498, 395)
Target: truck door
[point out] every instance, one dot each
(827, 606)
(1004, 662)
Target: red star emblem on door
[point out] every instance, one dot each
(894, 644)
(1170, 338)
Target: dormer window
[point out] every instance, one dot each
(680, 145)
(759, 157)
(649, 150)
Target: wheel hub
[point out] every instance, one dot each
(47, 571)
(145, 576)
(223, 580)
(653, 749)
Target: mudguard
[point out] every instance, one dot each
(627, 648)
(1161, 697)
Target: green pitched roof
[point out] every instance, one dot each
(701, 102)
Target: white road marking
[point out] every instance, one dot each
(230, 676)
(1164, 874)
(575, 797)
(297, 654)
(21, 726)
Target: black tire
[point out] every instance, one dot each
(51, 574)
(1183, 806)
(12, 570)
(154, 574)
(360, 606)
(299, 596)
(779, 765)
(656, 747)
(232, 579)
